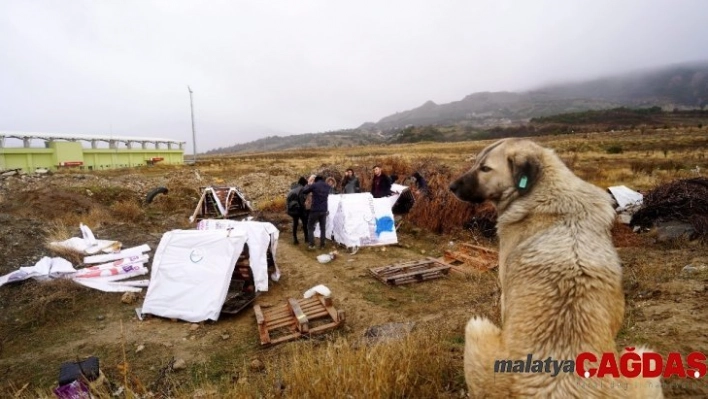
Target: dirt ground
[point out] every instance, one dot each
(45, 324)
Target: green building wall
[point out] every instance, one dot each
(71, 153)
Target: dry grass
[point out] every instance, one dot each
(274, 204)
(128, 211)
(421, 363)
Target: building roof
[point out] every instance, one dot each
(87, 137)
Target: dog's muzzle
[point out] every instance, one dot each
(464, 188)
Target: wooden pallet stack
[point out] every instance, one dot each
(296, 318)
(411, 271)
(242, 287)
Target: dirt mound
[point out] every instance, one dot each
(682, 200)
(48, 203)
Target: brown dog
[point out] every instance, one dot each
(560, 277)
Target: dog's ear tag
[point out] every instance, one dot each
(523, 182)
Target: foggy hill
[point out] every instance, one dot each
(682, 86)
(679, 86)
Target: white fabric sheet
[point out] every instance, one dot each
(258, 236)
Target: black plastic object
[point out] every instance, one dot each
(72, 371)
(154, 193)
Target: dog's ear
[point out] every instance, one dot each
(525, 169)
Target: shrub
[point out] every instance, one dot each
(615, 149)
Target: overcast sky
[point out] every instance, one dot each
(267, 67)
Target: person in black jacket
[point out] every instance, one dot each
(421, 184)
(295, 207)
(381, 184)
(350, 183)
(318, 212)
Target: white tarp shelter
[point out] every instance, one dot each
(360, 220)
(191, 272)
(192, 269)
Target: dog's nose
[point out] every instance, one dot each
(453, 186)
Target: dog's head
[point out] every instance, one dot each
(502, 169)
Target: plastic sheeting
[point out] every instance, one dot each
(191, 272)
(625, 197)
(45, 269)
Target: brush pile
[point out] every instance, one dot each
(682, 200)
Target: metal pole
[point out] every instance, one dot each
(194, 133)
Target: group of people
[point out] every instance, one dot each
(306, 201)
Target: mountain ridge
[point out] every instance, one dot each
(681, 86)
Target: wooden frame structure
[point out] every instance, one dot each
(221, 203)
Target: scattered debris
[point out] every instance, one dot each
(411, 271)
(129, 298)
(87, 244)
(257, 365)
(297, 318)
(45, 269)
(326, 258)
(179, 364)
(628, 202)
(673, 230)
(318, 289)
(681, 200)
(154, 193)
(77, 379)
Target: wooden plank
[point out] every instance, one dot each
(280, 312)
(282, 323)
(286, 338)
(300, 316)
(259, 314)
(262, 329)
(329, 308)
(480, 264)
(478, 248)
(324, 327)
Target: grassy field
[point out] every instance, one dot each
(44, 324)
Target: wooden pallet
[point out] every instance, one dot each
(478, 257)
(411, 271)
(297, 318)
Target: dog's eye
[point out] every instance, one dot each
(485, 168)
